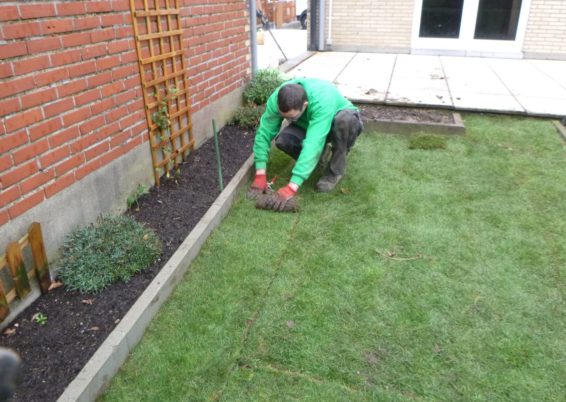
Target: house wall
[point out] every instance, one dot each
(372, 26)
(73, 131)
(546, 30)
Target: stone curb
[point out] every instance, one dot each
(560, 128)
(404, 127)
(107, 360)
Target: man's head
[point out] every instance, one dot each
(292, 101)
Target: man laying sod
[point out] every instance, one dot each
(319, 117)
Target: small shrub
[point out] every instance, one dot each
(426, 141)
(262, 86)
(248, 116)
(113, 249)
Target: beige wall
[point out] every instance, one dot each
(376, 25)
(546, 30)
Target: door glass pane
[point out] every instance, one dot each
(441, 18)
(497, 19)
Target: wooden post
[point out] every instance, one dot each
(39, 257)
(18, 269)
(4, 305)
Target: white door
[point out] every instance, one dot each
(470, 27)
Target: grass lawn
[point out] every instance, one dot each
(427, 275)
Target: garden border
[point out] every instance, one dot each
(96, 375)
(407, 127)
(560, 128)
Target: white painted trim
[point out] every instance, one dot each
(466, 44)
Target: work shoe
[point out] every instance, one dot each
(327, 183)
(9, 371)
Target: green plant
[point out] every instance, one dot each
(262, 86)
(163, 122)
(427, 141)
(112, 249)
(135, 196)
(248, 116)
(39, 318)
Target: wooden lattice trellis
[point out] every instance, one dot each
(159, 45)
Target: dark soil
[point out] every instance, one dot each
(406, 114)
(77, 324)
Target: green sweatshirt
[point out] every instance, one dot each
(324, 101)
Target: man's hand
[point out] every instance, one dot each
(259, 186)
(283, 200)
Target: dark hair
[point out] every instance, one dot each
(291, 97)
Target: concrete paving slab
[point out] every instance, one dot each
(555, 69)
(542, 106)
(524, 79)
(486, 102)
(466, 74)
(419, 97)
(326, 66)
(366, 77)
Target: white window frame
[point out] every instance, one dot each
(466, 45)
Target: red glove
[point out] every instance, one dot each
(259, 186)
(286, 193)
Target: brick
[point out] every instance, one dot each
(91, 125)
(31, 64)
(112, 19)
(125, 97)
(97, 150)
(72, 87)
(75, 8)
(9, 13)
(102, 106)
(88, 22)
(58, 107)
(76, 116)
(63, 137)
(108, 130)
(105, 63)
(76, 39)
(69, 164)
(44, 128)
(20, 30)
(6, 70)
(119, 139)
(23, 119)
(111, 89)
(66, 57)
(9, 195)
(26, 204)
(4, 217)
(56, 26)
(37, 180)
(102, 35)
(38, 97)
(120, 5)
(100, 6)
(13, 49)
(60, 183)
(99, 79)
(87, 96)
(93, 51)
(12, 87)
(30, 151)
(10, 105)
(122, 72)
(36, 10)
(50, 77)
(119, 46)
(11, 141)
(19, 173)
(5, 162)
(53, 156)
(81, 69)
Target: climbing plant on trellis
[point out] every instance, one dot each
(165, 85)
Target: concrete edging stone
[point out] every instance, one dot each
(96, 375)
(560, 128)
(406, 127)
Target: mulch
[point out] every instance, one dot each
(405, 114)
(77, 324)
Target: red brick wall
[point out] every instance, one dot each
(70, 93)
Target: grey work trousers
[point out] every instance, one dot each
(346, 127)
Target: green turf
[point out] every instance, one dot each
(426, 275)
